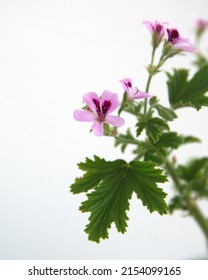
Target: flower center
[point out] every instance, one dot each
(102, 111)
(173, 34)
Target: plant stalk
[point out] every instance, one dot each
(193, 208)
(149, 79)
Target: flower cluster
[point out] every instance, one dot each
(172, 36)
(151, 138)
(98, 109)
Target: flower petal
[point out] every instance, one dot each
(88, 99)
(112, 97)
(126, 83)
(84, 116)
(115, 121)
(184, 45)
(97, 128)
(149, 25)
(140, 95)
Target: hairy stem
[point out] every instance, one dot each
(171, 171)
(193, 208)
(149, 79)
(197, 214)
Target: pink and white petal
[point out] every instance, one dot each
(126, 83)
(88, 99)
(149, 25)
(112, 97)
(97, 128)
(84, 116)
(115, 121)
(140, 95)
(184, 45)
(131, 92)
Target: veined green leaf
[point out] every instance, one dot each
(170, 140)
(108, 196)
(155, 127)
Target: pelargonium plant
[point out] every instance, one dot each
(109, 185)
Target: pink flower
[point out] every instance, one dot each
(201, 25)
(133, 93)
(178, 42)
(155, 27)
(98, 111)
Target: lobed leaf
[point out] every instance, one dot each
(111, 184)
(170, 140)
(155, 127)
(183, 92)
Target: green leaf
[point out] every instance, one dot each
(143, 177)
(201, 60)
(155, 127)
(170, 140)
(166, 113)
(190, 139)
(140, 125)
(133, 108)
(193, 169)
(147, 151)
(184, 92)
(106, 127)
(195, 175)
(108, 196)
(153, 101)
(157, 155)
(175, 84)
(177, 202)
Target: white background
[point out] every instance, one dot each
(51, 53)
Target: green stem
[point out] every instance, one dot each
(127, 141)
(193, 208)
(173, 174)
(149, 79)
(199, 217)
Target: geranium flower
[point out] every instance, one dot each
(98, 111)
(178, 42)
(201, 25)
(157, 29)
(133, 92)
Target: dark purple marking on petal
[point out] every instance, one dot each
(159, 28)
(97, 105)
(173, 34)
(128, 84)
(106, 106)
